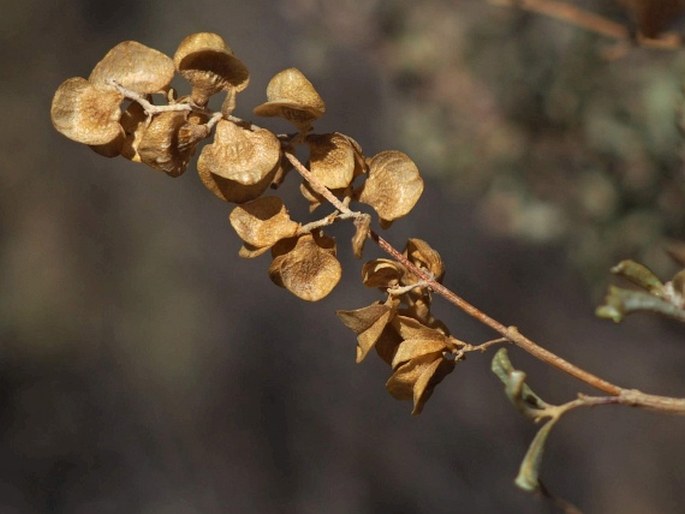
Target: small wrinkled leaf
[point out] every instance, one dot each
(86, 114)
(262, 222)
(382, 273)
(291, 96)
(368, 324)
(134, 66)
(393, 186)
(239, 154)
(529, 471)
(331, 159)
(517, 390)
(620, 302)
(639, 275)
(309, 270)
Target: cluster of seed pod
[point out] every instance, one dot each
(117, 111)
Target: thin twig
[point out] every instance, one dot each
(590, 21)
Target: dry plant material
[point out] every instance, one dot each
(243, 160)
(291, 96)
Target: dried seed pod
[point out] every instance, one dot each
(291, 96)
(250, 252)
(306, 266)
(413, 348)
(420, 253)
(86, 114)
(113, 148)
(134, 121)
(240, 154)
(368, 323)
(393, 186)
(232, 191)
(409, 327)
(168, 142)
(262, 222)
(136, 67)
(382, 273)
(331, 159)
(416, 379)
(208, 63)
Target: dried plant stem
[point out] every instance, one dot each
(619, 395)
(589, 21)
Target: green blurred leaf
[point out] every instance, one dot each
(620, 302)
(515, 386)
(640, 275)
(527, 478)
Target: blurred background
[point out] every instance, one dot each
(145, 368)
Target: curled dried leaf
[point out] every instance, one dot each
(136, 67)
(393, 186)
(382, 273)
(240, 154)
(208, 63)
(168, 142)
(416, 379)
(306, 266)
(262, 222)
(291, 96)
(368, 323)
(86, 114)
(332, 159)
(424, 256)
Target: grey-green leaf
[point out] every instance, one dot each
(517, 390)
(640, 275)
(620, 302)
(527, 478)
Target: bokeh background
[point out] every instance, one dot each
(145, 368)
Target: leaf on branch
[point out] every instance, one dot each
(522, 396)
(620, 302)
(640, 275)
(529, 471)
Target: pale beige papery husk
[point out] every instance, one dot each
(133, 121)
(262, 222)
(291, 96)
(420, 253)
(240, 154)
(362, 226)
(86, 114)
(411, 328)
(168, 142)
(393, 186)
(331, 159)
(416, 379)
(309, 269)
(136, 67)
(368, 324)
(235, 192)
(208, 63)
(382, 273)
